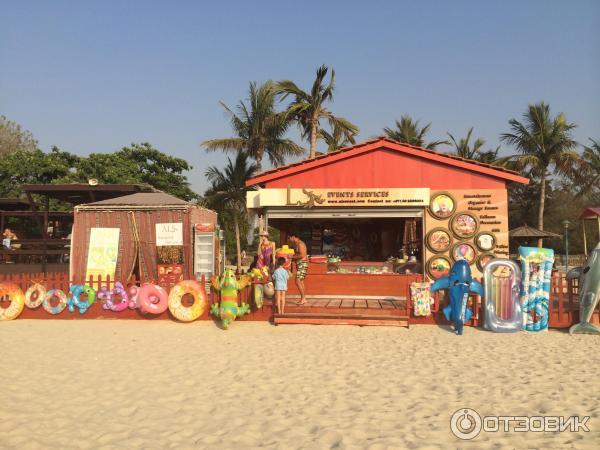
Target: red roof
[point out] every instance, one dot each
(590, 213)
(390, 144)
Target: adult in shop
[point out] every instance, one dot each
(300, 258)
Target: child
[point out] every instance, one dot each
(280, 277)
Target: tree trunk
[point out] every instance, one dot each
(238, 246)
(541, 209)
(259, 163)
(313, 138)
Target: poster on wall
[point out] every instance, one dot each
(103, 251)
(169, 252)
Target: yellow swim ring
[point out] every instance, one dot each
(17, 301)
(187, 313)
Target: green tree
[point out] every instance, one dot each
(587, 173)
(465, 149)
(545, 145)
(409, 132)
(138, 164)
(227, 193)
(13, 138)
(337, 138)
(35, 167)
(308, 108)
(259, 129)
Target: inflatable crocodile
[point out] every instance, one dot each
(227, 309)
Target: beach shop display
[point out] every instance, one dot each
(12, 292)
(107, 295)
(286, 253)
(103, 252)
(536, 270)
(58, 295)
(420, 294)
(502, 282)
(182, 312)
(227, 309)
(153, 299)
(34, 296)
(259, 277)
(459, 285)
(75, 300)
(589, 294)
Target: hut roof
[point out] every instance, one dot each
(530, 232)
(590, 213)
(140, 200)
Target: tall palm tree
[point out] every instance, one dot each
(587, 173)
(464, 149)
(308, 108)
(259, 128)
(337, 138)
(544, 143)
(408, 131)
(227, 192)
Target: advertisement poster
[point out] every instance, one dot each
(103, 252)
(169, 249)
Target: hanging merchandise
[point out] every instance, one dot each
(536, 267)
(420, 294)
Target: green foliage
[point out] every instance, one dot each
(138, 164)
(13, 138)
(308, 109)
(464, 149)
(259, 129)
(409, 132)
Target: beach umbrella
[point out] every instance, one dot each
(526, 233)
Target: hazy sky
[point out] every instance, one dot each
(96, 76)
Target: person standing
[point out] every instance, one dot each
(280, 277)
(301, 259)
(265, 252)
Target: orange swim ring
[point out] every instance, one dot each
(17, 301)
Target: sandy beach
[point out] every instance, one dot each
(136, 384)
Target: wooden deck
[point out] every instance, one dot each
(345, 310)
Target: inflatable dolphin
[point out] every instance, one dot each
(459, 284)
(589, 294)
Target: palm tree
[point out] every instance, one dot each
(227, 193)
(464, 149)
(259, 129)
(543, 142)
(308, 108)
(587, 173)
(337, 138)
(408, 131)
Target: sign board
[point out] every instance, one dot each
(356, 198)
(169, 234)
(103, 252)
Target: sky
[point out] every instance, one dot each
(96, 76)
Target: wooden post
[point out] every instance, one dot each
(584, 238)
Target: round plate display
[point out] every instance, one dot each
(483, 259)
(442, 205)
(464, 225)
(485, 241)
(438, 240)
(463, 250)
(438, 266)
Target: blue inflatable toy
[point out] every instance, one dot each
(459, 284)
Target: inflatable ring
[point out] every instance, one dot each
(41, 293)
(187, 313)
(153, 299)
(133, 292)
(17, 301)
(62, 301)
(108, 295)
(74, 301)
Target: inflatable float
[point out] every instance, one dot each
(502, 281)
(13, 293)
(536, 270)
(227, 309)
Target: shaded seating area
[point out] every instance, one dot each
(43, 240)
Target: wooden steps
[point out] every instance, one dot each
(341, 318)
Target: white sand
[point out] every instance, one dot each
(136, 384)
